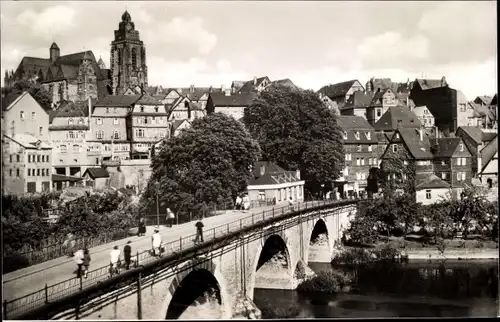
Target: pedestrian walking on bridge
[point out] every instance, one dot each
(127, 254)
(86, 261)
(79, 256)
(156, 243)
(114, 261)
(199, 232)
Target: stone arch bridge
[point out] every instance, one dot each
(218, 279)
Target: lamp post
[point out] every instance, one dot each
(157, 188)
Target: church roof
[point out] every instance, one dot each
(54, 46)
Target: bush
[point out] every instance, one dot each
(355, 256)
(328, 282)
(269, 311)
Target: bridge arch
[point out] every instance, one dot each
(319, 245)
(274, 249)
(199, 292)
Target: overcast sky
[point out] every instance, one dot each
(312, 43)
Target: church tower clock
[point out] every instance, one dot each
(128, 58)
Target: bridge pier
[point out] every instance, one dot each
(245, 308)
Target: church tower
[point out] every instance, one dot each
(128, 58)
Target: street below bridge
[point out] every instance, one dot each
(34, 278)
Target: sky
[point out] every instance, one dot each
(312, 43)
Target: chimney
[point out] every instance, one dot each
(210, 89)
(443, 81)
(262, 170)
(233, 90)
(254, 81)
(227, 92)
(222, 88)
(297, 174)
(421, 132)
(191, 89)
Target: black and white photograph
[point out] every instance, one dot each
(249, 160)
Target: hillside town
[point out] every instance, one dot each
(104, 124)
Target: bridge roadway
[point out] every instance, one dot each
(34, 278)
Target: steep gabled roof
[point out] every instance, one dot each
(474, 132)
(95, 173)
(11, 98)
(148, 99)
(431, 83)
(379, 96)
(72, 109)
(249, 85)
(177, 123)
(447, 146)
(220, 99)
(430, 181)
(359, 99)
(337, 90)
(397, 117)
(284, 82)
(117, 100)
(488, 152)
(350, 122)
(419, 149)
(486, 100)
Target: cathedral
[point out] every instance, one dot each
(78, 76)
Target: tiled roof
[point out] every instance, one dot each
(397, 117)
(382, 84)
(177, 123)
(488, 136)
(72, 109)
(60, 177)
(97, 173)
(485, 99)
(419, 149)
(337, 90)
(284, 82)
(474, 132)
(430, 181)
(378, 96)
(237, 84)
(28, 141)
(9, 99)
(148, 99)
(446, 147)
(34, 63)
(359, 99)
(118, 100)
(494, 100)
(488, 152)
(353, 123)
(220, 99)
(483, 111)
(419, 110)
(273, 174)
(249, 85)
(430, 83)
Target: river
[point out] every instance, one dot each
(414, 289)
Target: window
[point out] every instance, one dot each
(461, 147)
(40, 130)
(71, 134)
(115, 121)
(76, 148)
(10, 158)
(29, 172)
(405, 162)
(81, 134)
(379, 112)
(18, 173)
(99, 134)
(443, 175)
(38, 158)
(37, 172)
(70, 122)
(463, 176)
(358, 161)
(29, 158)
(462, 107)
(33, 115)
(156, 109)
(160, 121)
(459, 161)
(464, 161)
(10, 172)
(443, 162)
(107, 110)
(344, 135)
(362, 161)
(397, 136)
(346, 171)
(358, 176)
(115, 110)
(370, 148)
(116, 135)
(43, 172)
(394, 148)
(425, 112)
(348, 157)
(375, 161)
(368, 136)
(21, 114)
(427, 194)
(359, 148)
(356, 135)
(153, 120)
(98, 121)
(145, 120)
(142, 108)
(18, 158)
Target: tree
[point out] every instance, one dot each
(206, 166)
(36, 90)
(297, 131)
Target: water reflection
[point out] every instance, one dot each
(415, 289)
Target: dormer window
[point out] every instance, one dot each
(107, 110)
(156, 109)
(397, 136)
(70, 122)
(80, 121)
(344, 135)
(356, 135)
(368, 136)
